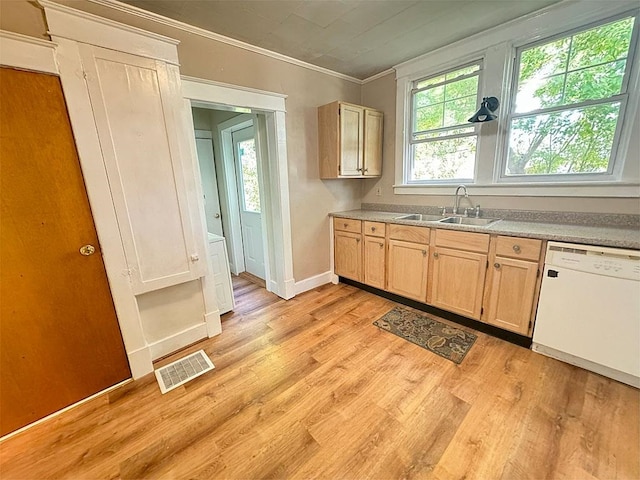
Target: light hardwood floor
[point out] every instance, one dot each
(309, 388)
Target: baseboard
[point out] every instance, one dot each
(140, 362)
(212, 321)
(312, 282)
(179, 340)
(587, 365)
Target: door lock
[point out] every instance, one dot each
(87, 250)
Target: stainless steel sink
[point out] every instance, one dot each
(479, 222)
(422, 217)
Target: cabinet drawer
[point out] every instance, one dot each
(409, 233)
(347, 225)
(374, 229)
(525, 248)
(473, 242)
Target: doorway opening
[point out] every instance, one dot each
(230, 109)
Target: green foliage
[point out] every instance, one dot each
(588, 66)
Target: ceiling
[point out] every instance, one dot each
(359, 38)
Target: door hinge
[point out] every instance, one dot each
(538, 273)
(481, 310)
(487, 263)
(530, 324)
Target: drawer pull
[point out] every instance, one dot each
(516, 248)
(346, 225)
(497, 265)
(373, 229)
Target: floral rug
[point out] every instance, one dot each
(445, 340)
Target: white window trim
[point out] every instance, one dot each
(497, 49)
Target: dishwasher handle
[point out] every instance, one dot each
(552, 273)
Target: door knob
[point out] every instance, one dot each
(87, 250)
(217, 215)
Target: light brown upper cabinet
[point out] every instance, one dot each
(349, 141)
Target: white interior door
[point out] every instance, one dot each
(246, 165)
(204, 148)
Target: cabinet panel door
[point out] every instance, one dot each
(136, 103)
(348, 255)
(372, 143)
(351, 130)
(374, 256)
(407, 269)
(510, 300)
(458, 281)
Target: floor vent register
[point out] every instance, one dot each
(181, 371)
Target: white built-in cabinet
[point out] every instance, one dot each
(136, 103)
(219, 261)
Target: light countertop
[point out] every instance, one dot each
(621, 237)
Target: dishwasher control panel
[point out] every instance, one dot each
(600, 261)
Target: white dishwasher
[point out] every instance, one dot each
(589, 309)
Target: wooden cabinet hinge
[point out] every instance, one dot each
(538, 273)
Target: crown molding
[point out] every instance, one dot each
(29, 53)
(384, 73)
(154, 17)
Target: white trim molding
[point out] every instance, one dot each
(154, 17)
(66, 22)
(279, 255)
(177, 341)
(21, 51)
(313, 282)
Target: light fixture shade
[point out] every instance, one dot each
(484, 114)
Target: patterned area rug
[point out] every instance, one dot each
(449, 342)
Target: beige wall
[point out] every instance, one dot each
(311, 199)
(381, 94)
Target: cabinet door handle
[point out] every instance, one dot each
(424, 253)
(381, 244)
(358, 240)
(346, 225)
(435, 254)
(373, 229)
(516, 248)
(366, 170)
(497, 265)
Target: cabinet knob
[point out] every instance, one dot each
(358, 240)
(516, 248)
(424, 253)
(346, 225)
(435, 254)
(366, 170)
(381, 244)
(497, 265)
(373, 229)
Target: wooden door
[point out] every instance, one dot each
(457, 281)
(512, 286)
(351, 131)
(59, 337)
(372, 143)
(407, 269)
(374, 261)
(348, 255)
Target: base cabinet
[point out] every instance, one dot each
(512, 283)
(490, 278)
(457, 281)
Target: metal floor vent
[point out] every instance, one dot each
(181, 371)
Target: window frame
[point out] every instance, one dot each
(476, 133)
(613, 172)
(497, 49)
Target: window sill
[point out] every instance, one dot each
(620, 190)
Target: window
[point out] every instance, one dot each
(570, 93)
(443, 142)
(568, 82)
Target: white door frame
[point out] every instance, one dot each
(276, 215)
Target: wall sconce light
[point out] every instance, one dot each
(484, 114)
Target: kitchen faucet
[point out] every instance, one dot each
(456, 201)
